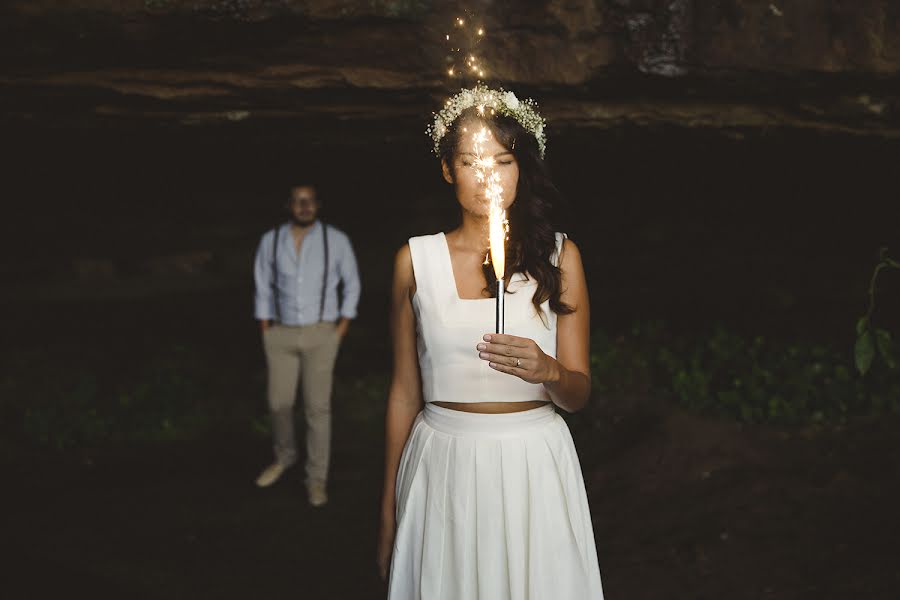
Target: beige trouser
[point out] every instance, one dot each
(305, 353)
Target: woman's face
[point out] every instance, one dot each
(469, 191)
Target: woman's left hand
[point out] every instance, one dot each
(518, 356)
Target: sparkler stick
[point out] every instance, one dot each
(501, 307)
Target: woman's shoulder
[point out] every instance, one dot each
(416, 248)
(559, 248)
(569, 255)
(403, 256)
(425, 238)
(424, 246)
(403, 266)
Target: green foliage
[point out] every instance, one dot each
(886, 347)
(750, 379)
(872, 341)
(48, 417)
(361, 399)
(62, 399)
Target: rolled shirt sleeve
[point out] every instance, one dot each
(349, 274)
(264, 301)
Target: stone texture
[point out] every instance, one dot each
(93, 269)
(831, 64)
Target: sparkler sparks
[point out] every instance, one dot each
(498, 225)
(462, 49)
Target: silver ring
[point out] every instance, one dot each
(518, 363)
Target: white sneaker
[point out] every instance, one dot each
(270, 475)
(317, 494)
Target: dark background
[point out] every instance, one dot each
(776, 231)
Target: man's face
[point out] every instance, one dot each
(303, 205)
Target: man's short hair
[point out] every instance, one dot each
(311, 186)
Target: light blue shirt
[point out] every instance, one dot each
(300, 274)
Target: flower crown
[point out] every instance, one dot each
(497, 101)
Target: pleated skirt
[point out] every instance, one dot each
(492, 507)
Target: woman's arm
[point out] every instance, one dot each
(404, 398)
(570, 387)
(567, 378)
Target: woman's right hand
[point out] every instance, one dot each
(386, 545)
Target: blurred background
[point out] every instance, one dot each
(731, 170)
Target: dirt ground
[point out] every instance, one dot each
(683, 507)
(687, 507)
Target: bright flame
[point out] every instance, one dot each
(493, 191)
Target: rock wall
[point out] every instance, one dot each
(734, 63)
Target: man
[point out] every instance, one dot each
(298, 268)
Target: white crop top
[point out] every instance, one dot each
(448, 329)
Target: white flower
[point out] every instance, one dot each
(510, 100)
(502, 101)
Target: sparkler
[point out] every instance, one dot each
(464, 42)
(498, 225)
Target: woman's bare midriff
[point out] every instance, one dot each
(493, 408)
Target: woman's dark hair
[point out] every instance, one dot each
(534, 215)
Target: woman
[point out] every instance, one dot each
(483, 492)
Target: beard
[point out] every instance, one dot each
(303, 221)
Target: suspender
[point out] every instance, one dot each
(275, 273)
(325, 274)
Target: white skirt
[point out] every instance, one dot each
(492, 507)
